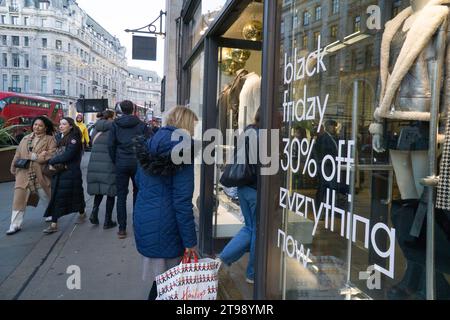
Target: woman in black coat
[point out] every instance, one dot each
(67, 184)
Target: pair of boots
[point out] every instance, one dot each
(109, 224)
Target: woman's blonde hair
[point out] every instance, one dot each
(182, 118)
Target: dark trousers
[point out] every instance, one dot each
(109, 204)
(123, 176)
(153, 292)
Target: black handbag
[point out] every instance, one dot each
(22, 163)
(239, 174)
(51, 170)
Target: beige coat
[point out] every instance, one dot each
(46, 143)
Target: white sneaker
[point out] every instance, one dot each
(48, 219)
(249, 281)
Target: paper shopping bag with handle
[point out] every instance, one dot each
(190, 280)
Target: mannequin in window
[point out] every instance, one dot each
(408, 58)
(249, 99)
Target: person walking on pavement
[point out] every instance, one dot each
(101, 172)
(84, 131)
(120, 146)
(163, 216)
(245, 240)
(33, 152)
(67, 184)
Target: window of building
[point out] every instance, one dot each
(68, 47)
(26, 21)
(44, 5)
(58, 24)
(58, 84)
(26, 41)
(26, 84)
(15, 79)
(396, 5)
(334, 6)
(4, 40)
(44, 63)
(16, 60)
(44, 42)
(43, 22)
(27, 60)
(318, 12)
(44, 84)
(357, 24)
(5, 82)
(5, 60)
(316, 38)
(3, 19)
(305, 18)
(14, 20)
(58, 66)
(15, 41)
(333, 33)
(58, 45)
(68, 87)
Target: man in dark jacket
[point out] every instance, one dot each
(120, 147)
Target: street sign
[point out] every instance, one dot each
(144, 48)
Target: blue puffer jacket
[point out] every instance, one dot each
(163, 217)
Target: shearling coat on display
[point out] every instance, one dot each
(420, 39)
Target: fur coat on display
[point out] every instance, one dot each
(428, 21)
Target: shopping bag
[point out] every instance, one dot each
(190, 280)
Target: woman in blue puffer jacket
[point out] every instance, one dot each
(164, 224)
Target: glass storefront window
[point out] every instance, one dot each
(204, 15)
(357, 106)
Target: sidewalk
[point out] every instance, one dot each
(34, 265)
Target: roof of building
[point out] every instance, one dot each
(142, 72)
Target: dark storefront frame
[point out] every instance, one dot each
(209, 44)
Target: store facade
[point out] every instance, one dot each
(355, 94)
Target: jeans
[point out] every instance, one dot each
(123, 175)
(110, 201)
(245, 240)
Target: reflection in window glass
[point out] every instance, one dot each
(360, 225)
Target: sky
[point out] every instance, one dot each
(117, 15)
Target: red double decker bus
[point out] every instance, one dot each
(20, 109)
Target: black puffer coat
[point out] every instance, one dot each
(101, 174)
(67, 186)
